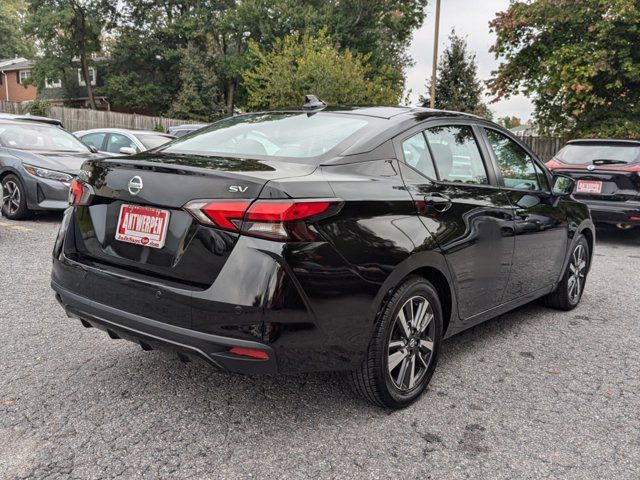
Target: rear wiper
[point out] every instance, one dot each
(604, 161)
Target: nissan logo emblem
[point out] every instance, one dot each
(135, 185)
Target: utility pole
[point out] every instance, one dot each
(434, 69)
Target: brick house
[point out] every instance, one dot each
(14, 74)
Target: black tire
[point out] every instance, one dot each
(564, 297)
(14, 199)
(373, 380)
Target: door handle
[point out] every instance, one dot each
(438, 202)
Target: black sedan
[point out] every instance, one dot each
(351, 239)
(37, 163)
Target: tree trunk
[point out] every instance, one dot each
(231, 89)
(87, 80)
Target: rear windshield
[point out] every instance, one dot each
(585, 154)
(271, 135)
(152, 141)
(39, 137)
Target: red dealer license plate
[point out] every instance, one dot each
(142, 225)
(589, 186)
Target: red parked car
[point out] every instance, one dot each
(607, 174)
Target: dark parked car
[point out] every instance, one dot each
(37, 163)
(608, 178)
(296, 241)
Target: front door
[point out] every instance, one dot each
(540, 222)
(461, 205)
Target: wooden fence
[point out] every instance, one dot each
(75, 119)
(544, 147)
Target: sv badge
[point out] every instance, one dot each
(238, 188)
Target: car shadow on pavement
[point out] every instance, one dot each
(166, 379)
(613, 236)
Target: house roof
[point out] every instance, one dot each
(10, 64)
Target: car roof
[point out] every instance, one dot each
(30, 118)
(21, 122)
(121, 130)
(603, 141)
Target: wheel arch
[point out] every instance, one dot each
(431, 266)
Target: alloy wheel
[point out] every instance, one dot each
(411, 343)
(578, 271)
(10, 197)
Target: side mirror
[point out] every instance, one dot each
(562, 185)
(128, 151)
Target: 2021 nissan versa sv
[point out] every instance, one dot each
(319, 239)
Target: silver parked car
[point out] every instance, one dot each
(37, 163)
(120, 141)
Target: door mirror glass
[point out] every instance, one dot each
(563, 185)
(127, 150)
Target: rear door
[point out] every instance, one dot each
(540, 220)
(461, 205)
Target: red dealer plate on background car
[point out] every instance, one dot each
(142, 225)
(589, 186)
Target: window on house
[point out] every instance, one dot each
(49, 83)
(24, 76)
(92, 77)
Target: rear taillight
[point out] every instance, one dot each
(273, 219)
(227, 214)
(79, 193)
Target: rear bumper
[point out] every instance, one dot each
(151, 334)
(603, 211)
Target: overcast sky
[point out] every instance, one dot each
(471, 20)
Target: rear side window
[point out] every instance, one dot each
(271, 135)
(416, 153)
(517, 167)
(456, 154)
(94, 140)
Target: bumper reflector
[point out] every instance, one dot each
(250, 352)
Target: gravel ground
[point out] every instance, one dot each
(533, 394)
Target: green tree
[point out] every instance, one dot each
(457, 84)
(301, 64)
(509, 122)
(155, 36)
(578, 59)
(15, 42)
(66, 30)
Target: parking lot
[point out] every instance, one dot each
(535, 393)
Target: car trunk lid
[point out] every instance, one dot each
(192, 254)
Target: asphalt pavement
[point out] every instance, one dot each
(535, 393)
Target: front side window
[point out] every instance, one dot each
(281, 135)
(94, 139)
(518, 169)
(416, 153)
(456, 154)
(117, 141)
